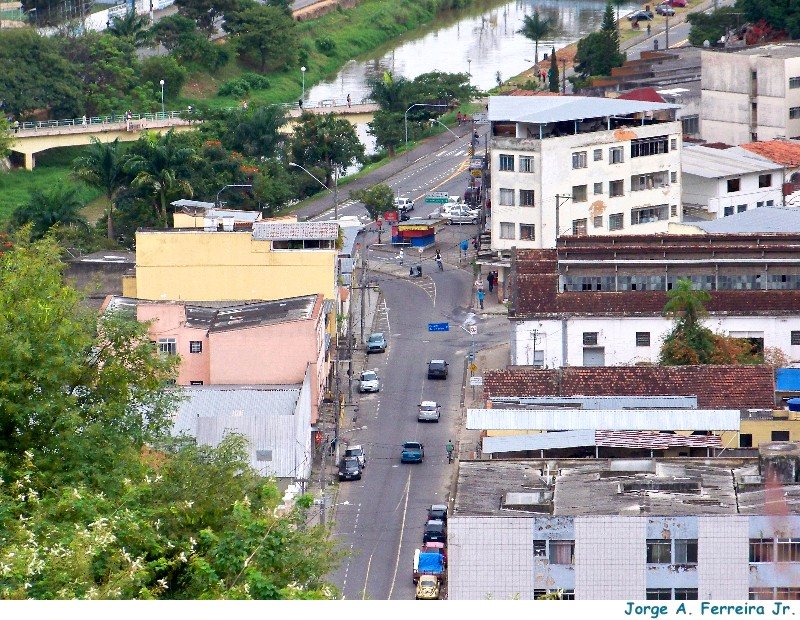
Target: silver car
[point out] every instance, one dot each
(369, 382)
(429, 411)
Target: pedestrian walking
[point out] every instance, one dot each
(479, 284)
(348, 100)
(439, 263)
(450, 448)
(481, 297)
(401, 256)
(490, 281)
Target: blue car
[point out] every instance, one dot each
(376, 343)
(413, 452)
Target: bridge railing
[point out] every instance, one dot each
(99, 120)
(160, 116)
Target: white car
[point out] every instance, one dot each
(403, 204)
(460, 208)
(429, 411)
(461, 215)
(356, 451)
(369, 382)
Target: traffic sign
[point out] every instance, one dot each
(438, 327)
(437, 198)
(473, 330)
(477, 380)
(472, 368)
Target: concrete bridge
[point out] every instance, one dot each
(34, 137)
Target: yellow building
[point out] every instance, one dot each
(275, 260)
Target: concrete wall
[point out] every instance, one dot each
(617, 335)
(714, 192)
(214, 266)
(554, 175)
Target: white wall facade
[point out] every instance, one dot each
(735, 104)
(553, 174)
(714, 194)
(560, 342)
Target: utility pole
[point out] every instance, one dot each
(336, 192)
(563, 76)
(666, 34)
(363, 287)
(559, 197)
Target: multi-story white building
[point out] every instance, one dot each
(724, 181)
(599, 301)
(750, 93)
(608, 529)
(585, 165)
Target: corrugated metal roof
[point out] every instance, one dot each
(249, 315)
(295, 231)
(265, 415)
(555, 109)
(788, 380)
(606, 402)
(612, 419)
(349, 236)
(587, 438)
(199, 204)
(710, 163)
(760, 220)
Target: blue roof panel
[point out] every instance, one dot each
(788, 379)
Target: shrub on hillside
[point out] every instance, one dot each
(242, 85)
(325, 45)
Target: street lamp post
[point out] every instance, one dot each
(335, 186)
(162, 96)
(218, 203)
(303, 74)
(469, 71)
(414, 105)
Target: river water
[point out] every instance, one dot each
(481, 40)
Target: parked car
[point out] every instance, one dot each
(640, 16)
(403, 204)
(665, 9)
(358, 452)
(413, 452)
(438, 511)
(349, 468)
(369, 382)
(435, 531)
(429, 411)
(461, 215)
(428, 588)
(437, 369)
(376, 343)
(676, 3)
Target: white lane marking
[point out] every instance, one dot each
(400, 542)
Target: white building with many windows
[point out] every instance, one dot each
(751, 93)
(724, 181)
(584, 165)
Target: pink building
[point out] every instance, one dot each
(226, 343)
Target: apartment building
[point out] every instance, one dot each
(580, 165)
(616, 529)
(599, 302)
(721, 181)
(750, 93)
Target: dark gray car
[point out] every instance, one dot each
(376, 343)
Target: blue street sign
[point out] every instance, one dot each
(438, 327)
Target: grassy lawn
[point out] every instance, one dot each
(52, 167)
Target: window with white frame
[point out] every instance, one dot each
(526, 197)
(507, 230)
(685, 551)
(561, 551)
(646, 215)
(506, 197)
(527, 232)
(616, 188)
(659, 551)
(506, 163)
(525, 163)
(540, 548)
(788, 550)
(615, 221)
(762, 550)
(579, 160)
(579, 226)
(649, 146)
(598, 154)
(597, 221)
(615, 155)
(167, 346)
(765, 180)
(196, 346)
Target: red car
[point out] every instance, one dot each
(676, 3)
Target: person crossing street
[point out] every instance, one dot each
(450, 449)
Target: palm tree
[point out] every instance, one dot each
(156, 167)
(48, 207)
(536, 28)
(135, 28)
(102, 166)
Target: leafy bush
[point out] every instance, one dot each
(242, 85)
(157, 68)
(325, 45)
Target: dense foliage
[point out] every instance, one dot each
(712, 26)
(95, 500)
(599, 52)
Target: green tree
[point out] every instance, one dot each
(265, 32)
(535, 29)
(377, 199)
(436, 86)
(609, 25)
(553, 73)
(389, 91)
(58, 205)
(255, 132)
(205, 12)
(689, 341)
(157, 68)
(387, 128)
(274, 188)
(102, 166)
(712, 26)
(168, 30)
(325, 140)
(780, 14)
(154, 165)
(6, 138)
(597, 54)
(132, 27)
